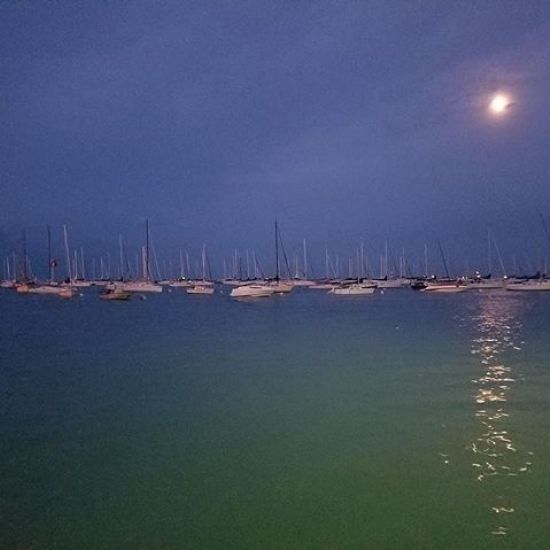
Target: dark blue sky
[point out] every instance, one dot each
(347, 121)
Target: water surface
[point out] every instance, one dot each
(302, 421)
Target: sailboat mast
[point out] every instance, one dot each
(25, 270)
(121, 252)
(276, 251)
(444, 260)
(147, 274)
(305, 260)
(67, 255)
(426, 260)
(501, 261)
(386, 264)
(82, 264)
(489, 262)
(50, 261)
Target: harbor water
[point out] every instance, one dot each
(398, 420)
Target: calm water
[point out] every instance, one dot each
(304, 421)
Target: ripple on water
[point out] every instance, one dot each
(496, 455)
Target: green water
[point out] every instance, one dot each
(303, 421)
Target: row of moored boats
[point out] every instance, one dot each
(123, 290)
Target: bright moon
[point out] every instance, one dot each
(499, 104)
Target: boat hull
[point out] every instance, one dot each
(252, 291)
(141, 286)
(204, 290)
(443, 289)
(353, 290)
(120, 295)
(47, 289)
(531, 286)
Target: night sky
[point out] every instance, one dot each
(349, 122)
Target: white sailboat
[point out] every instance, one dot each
(9, 281)
(530, 285)
(146, 284)
(302, 280)
(51, 287)
(67, 291)
(203, 287)
(252, 291)
(400, 282)
(451, 287)
(279, 286)
(354, 289)
(115, 293)
(200, 289)
(323, 286)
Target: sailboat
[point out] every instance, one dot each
(115, 292)
(23, 285)
(252, 291)
(203, 287)
(67, 291)
(387, 282)
(146, 284)
(302, 281)
(9, 281)
(278, 286)
(360, 288)
(51, 287)
(446, 287)
(530, 285)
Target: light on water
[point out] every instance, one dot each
(303, 421)
(498, 325)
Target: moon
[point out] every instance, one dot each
(499, 104)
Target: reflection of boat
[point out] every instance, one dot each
(355, 289)
(530, 285)
(116, 293)
(252, 291)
